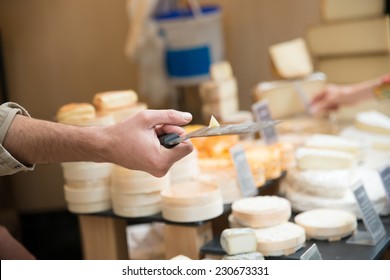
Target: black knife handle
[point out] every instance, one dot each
(168, 138)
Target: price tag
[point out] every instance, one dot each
(385, 176)
(262, 113)
(244, 173)
(371, 220)
(312, 253)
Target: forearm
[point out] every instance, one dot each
(37, 141)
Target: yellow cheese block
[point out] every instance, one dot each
(291, 59)
(261, 211)
(282, 239)
(114, 99)
(327, 224)
(334, 10)
(220, 71)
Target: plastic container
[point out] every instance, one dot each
(193, 41)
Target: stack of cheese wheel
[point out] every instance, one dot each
(87, 184)
(327, 224)
(191, 201)
(268, 216)
(136, 193)
(118, 104)
(185, 169)
(219, 95)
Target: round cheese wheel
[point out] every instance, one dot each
(85, 171)
(85, 208)
(77, 195)
(283, 239)
(125, 199)
(193, 213)
(261, 211)
(191, 193)
(136, 211)
(327, 224)
(104, 182)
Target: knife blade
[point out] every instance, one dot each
(172, 139)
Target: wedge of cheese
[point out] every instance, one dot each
(291, 59)
(261, 211)
(327, 224)
(238, 241)
(310, 158)
(373, 121)
(220, 71)
(280, 240)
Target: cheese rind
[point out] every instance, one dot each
(310, 158)
(373, 121)
(238, 241)
(327, 224)
(261, 211)
(282, 239)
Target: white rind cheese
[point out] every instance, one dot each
(261, 211)
(327, 224)
(131, 211)
(85, 171)
(141, 199)
(333, 142)
(310, 158)
(77, 195)
(373, 121)
(370, 139)
(238, 241)
(85, 208)
(279, 240)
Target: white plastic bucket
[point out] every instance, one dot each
(193, 41)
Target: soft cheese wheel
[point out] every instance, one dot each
(333, 142)
(130, 211)
(186, 168)
(283, 239)
(85, 171)
(114, 99)
(191, 193)
(124, 199)
(261, 211)
(310, 158)
(91, 184)
(238, 241)
(327, 224)
(324, 183)
(97, 194)
(85, 208)
(373, 140)
(233, 222)
(137, 182)
(75, 112)
(373, 121)
(188, 214)
(245, 256)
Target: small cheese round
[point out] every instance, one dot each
(130, 211)
(261, 211)
(77, 195)
(85, 171)
(279, 240)
(327, 224)
(84, 208)
(73, 112)
(110, 100)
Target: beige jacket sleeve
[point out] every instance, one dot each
(8, 164)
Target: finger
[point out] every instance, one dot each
(165, 129)
(173, 117)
